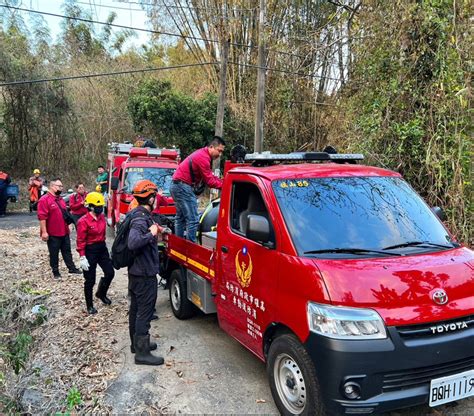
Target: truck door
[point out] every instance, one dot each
(248, 275)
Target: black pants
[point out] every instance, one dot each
(97, 254)
(76, 219)
(143, 293)
(64, 244)
(3, 202)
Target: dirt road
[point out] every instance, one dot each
(205, 370)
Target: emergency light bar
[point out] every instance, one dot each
(267, 158)
(146, 151)
(129, 149)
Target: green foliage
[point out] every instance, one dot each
(26, 287)
(409, 99)
(74, 398)
(174, 118)
(18, 351)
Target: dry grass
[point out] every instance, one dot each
(70, 349)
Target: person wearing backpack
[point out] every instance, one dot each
(142, 272)
(93, 250)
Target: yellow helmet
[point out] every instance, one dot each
(98, 188)
(94, 198)
(36, 171)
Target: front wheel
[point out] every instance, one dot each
(180, 305)
(292, 378)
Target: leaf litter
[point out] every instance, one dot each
(70, 348)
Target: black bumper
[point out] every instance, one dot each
(393, 373)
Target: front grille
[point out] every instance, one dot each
(425, 330)
(400, 380)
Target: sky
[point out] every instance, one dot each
(127, 14)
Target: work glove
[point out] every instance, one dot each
(166, 230)
(84, 263)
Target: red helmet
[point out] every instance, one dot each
(144, 188)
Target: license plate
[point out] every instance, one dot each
(450, 388)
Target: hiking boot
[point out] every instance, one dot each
(142, 352)
(57, 275)
(75, 271)
(105, 300)
(153, 347)
(102, 292)
(91, 310)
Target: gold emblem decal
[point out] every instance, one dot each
(243, 267)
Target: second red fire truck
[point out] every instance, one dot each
(127, 165)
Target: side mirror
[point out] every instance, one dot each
(114, 183)
(439, 213)
(258, 229)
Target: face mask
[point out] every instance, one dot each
(58, 192)
(151, 202)
(98, 210)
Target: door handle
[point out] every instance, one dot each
(224, 249)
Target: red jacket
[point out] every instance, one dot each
(201, 161)
(89, 231)
(49, 210)
(76, 204)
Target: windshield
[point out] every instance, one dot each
(160, 176)
(352, 216)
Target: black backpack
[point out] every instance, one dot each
(121, 255)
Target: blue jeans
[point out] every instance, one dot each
(187, 217)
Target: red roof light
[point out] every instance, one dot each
(145, 151)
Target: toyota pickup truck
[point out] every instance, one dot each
(339, 277)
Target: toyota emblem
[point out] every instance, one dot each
(439, 297)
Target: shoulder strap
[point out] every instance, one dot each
(64, 211)
(193, 179)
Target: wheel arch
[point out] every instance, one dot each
(274, 330)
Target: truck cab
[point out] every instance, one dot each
(127, 165)
(340, 278)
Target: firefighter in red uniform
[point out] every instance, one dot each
(93, 250)
(76, 202)
(193, 171)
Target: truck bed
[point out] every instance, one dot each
(194, 257)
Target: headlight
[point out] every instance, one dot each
(345, 323)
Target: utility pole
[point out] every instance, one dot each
(219, 129)
(259, 116)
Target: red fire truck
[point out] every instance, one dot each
(340, 278)
(126, 165)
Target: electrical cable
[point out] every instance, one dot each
(81, 19)
(34, 81)
(163, 68)
(285, 71)
(188, 7)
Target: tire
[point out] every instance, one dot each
(293, 383)
(180, 305)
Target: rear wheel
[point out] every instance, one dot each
(180, 305)
(292, 377)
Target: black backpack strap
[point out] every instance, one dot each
(193, 178)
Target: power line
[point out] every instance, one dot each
(285, 71)
(187, 7)
(110, 7)
(81, 19)
(163, 68)
(35, 81)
